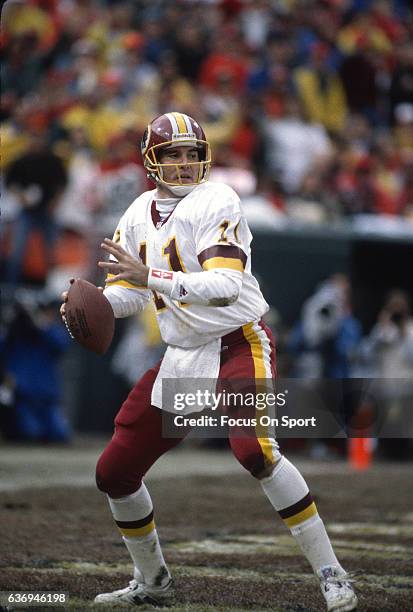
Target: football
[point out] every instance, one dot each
(89, 316)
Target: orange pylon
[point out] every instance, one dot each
(360, 453)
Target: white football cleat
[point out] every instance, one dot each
(336, 588)
(138, 594)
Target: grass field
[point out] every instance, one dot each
(226, 548)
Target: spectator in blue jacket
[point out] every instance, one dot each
(32, 346)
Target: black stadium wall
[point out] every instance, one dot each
(291, 263)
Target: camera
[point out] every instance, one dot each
(327, 311)
(397, 317)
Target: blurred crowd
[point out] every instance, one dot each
(308, 105)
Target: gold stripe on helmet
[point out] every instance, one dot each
(181, 123)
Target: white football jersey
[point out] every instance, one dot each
(205, 232)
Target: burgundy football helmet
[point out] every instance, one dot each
(175, 129)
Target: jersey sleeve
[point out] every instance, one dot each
(125, 298)
(223, 238)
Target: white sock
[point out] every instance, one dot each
(313, 540)
(289, 495)
(285, 486)
(148, 558)
(133, 515)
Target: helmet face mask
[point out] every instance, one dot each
(164, 134)
(155, 165)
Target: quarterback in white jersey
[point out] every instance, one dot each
(188, 244)
(200, 259)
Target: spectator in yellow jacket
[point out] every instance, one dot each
(321, 91)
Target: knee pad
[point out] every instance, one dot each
(102, 476)
(255, 454)
(114, 481)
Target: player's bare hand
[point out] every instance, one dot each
(64, 298)
(125, 268)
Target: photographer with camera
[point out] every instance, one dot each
(325, 339)
(387, 354)
(324, 344)
(389, 347)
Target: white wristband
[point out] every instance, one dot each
(160, 280)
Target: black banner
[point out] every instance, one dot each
(293, 408)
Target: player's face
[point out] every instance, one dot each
(182, 165)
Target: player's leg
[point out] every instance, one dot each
(288, 493)
(282, 483)
(135, 446)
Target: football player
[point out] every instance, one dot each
(187, 244)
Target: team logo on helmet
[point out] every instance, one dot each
(184, 136)
(145, 139)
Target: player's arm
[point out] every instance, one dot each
(126, 281)
(218, 286)
(222, 241)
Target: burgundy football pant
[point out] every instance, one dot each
(248, 353)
